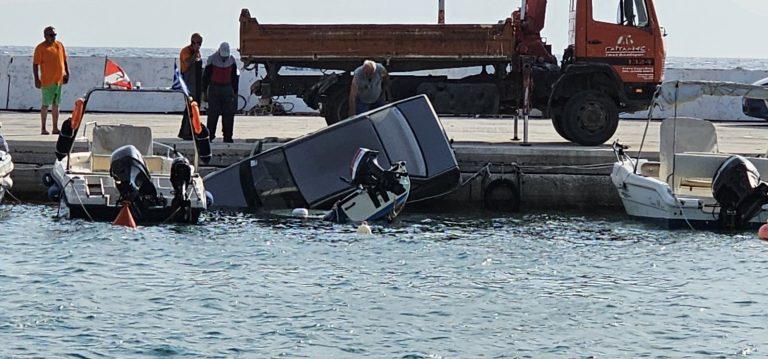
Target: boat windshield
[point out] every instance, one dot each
(399, 140)
(272, 181)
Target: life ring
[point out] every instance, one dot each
(77, 113)
(501, 195)
(195, 117)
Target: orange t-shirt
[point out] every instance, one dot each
(183, 56)
(51, 59)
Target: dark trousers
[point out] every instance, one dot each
(185, 132)
(192, 78)
(361, 106)
(221, 102)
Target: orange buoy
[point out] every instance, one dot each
(763, 232)
(125, 218)
(195, 117)
(77, 113)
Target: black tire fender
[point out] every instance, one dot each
(48, 180)
(501, 195)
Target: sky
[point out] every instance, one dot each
(695, 28)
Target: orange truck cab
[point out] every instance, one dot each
(612, 65)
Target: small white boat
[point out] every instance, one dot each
(122, 169)
(693, 185)
(6, 167)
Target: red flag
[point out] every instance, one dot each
(115, 76)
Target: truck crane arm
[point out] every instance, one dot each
(529, 21)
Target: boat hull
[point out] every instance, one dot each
(648, 199)
(146, 216)
(6, 167)
(306, 172)
(93, 195)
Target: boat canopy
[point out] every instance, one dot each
(671, 93)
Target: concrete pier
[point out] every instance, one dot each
(553, 174)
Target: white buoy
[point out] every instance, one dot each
(364, 228)
(300, 213)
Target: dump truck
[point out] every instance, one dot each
(609, 67)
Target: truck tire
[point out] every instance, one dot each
(336, 107)
(559, 125)
(590, 118)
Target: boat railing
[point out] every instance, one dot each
(84, 136)
(168, 149)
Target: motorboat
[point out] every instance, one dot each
(305, 172)
(378, 193)
(125, 172)
(6, 167)
(693, 185)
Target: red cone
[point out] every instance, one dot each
(125, 218)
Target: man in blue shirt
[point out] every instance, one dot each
(368, 84)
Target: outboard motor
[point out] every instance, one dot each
(367, 172)
(131, 175)
(65, 140)
(203, 144)
(738, 189)
(181, 178)
(375, 189)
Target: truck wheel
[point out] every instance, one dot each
(590, 118)
(336, 107)
(557, 122)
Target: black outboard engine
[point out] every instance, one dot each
(739, 191)
(374, 189)
(181, 178)
(131, 175)
(367, 172)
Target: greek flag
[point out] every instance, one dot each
(178, 81)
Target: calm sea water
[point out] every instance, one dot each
(456, 285)
(672, 62)
(439, 286)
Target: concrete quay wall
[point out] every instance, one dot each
(549, 179)
(17, 91)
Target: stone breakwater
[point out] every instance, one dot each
(17, 91)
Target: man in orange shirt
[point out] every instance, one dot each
(191, 66)
(49, 65)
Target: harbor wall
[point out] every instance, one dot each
(17, 91)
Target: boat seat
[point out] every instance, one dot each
(650, 169)
(107, 138)
(697, 169)
(155, 164)
(100, 163)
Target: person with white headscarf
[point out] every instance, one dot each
(220, 82)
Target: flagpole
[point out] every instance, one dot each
(103, 83)
(188, 103)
